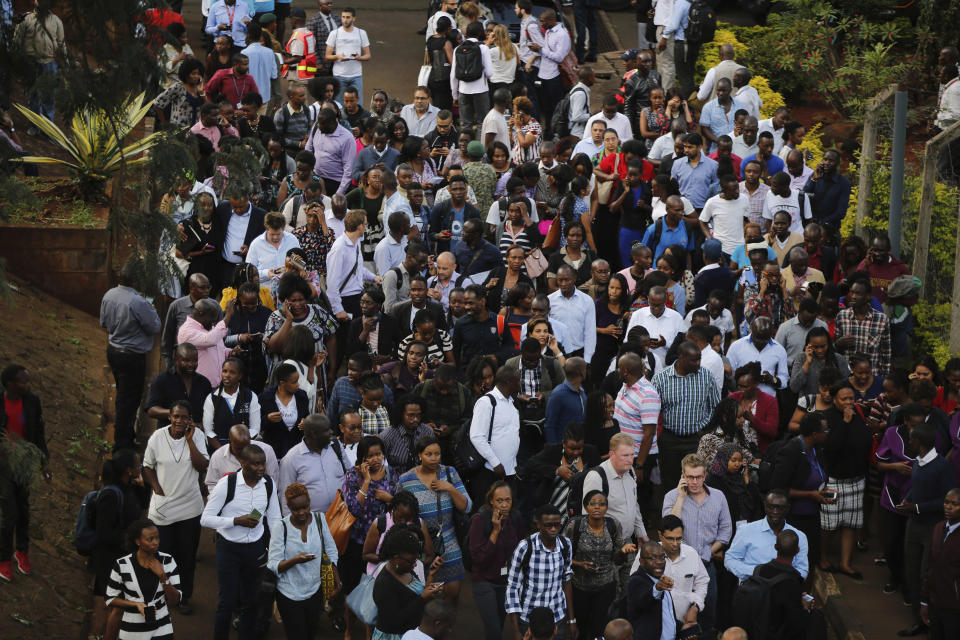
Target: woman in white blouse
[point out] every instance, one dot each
(503, 55)
(173, 462)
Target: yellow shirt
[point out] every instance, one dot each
(229, 293)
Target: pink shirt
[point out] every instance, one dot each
(209, 344)
(213, 135)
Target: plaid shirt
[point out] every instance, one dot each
(755, 210)
(541, 584)
(871, 337)
(687, 402)
(530, 379)
(778, 308)
(374, 423)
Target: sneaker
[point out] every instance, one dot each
(890, 588)
(6, 570)
(23, 562)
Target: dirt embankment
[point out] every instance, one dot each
(64, 350)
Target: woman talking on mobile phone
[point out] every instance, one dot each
(298, 544)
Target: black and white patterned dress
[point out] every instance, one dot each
(125, 583)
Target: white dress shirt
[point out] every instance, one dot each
(222, 462)
(419, 125)
(343, 255)
(556, 46)
(219, 516)
(334, 223)
(667, 325)
(712, 362)
(504, 442)
(690, 579)
(662, 10)
(748, 96)
(579, 314)
(620, 123)
(663, 147)
(473, 86)
(797, 182)
(743, 150)
(432, 22)
(236, 233)
(264, 256)
(767, 125)
(773, 360)
(231, 400)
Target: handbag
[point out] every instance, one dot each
(535, 262)
(466, 452)
(340, 521)
(461, 523)
(436, 531)
(360, 600)
(424, 76)
(552, 237)
(605, 189)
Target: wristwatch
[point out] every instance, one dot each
(572, 621)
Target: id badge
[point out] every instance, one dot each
(503, 571)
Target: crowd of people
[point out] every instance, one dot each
(611, 361)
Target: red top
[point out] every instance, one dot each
(14, 411)
(881, 275)
(766, 419)
(943, 401)
(734, 158)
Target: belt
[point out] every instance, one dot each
(110, 347)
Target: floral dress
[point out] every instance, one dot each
(452, 569)
(316, 244)
(372, 507)
(184, 108)
(656, 121)
(318, 320)
(520, 154)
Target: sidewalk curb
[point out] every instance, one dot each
(605, 19)
(837, 614)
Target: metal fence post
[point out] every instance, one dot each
(895, 227)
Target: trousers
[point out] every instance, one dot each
(665, 64)
(128, 370)
(490, 599)
(239, 570)
(300, 617)
(916, 550)
(180, 540)
(14, 518)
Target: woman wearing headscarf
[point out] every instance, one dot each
(728, 473)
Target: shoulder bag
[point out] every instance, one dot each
(605, 189)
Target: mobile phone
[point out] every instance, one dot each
(830, 495)
(150, 613)
(311, 556)
(237, 253)
(807, 597)
(255, 514)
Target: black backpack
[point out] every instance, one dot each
(701, 22)
(560, 122)
(469, 61)
(232, 491)
(751, 603)
(575, 496)
(439, 67)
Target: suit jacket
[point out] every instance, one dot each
(543, 467)
(33, 427)
(221, 218)
(276, 434)
(401, 313)
(827, 261)
(941, 582)
(643, 610)
(388, 335)
(787, 615)
(495, 293)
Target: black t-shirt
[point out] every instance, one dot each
(356, 119)
(167, 387)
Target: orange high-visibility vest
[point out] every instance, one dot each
(307, 66)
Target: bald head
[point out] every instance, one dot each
(727, 52)
(205, 311)
(618, 629)
(446, 259)
(630, 366)
(239, 437)
(575, 368)
(734, 633)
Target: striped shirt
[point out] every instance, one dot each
(687, 402)
(636, 406)
(123, 584)
(755, 210)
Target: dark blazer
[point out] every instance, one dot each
(941, 583)
(401, 313)
(33, 427)
(787, 614)
(543, 467)
(221, 218)
(388, 335)
(276, 434)
(643, 610)
(495, 293)
(929, 484)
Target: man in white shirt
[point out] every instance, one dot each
(439, 619)
(447, 8)
(782, 198)
(709, 359)
(346, 272)
(227, 459)
(666, 67)
(593, 144)
(798, 170)
(613, 119)
(661, 323)
(760, 347)
(540, 308)
(499, 450)
(237, 508)
(720, 315)
(421, 116)
(726, 68)
(347, 48)
(580, 102)
(577, 311)
(727, 211)
(390, 251)
(268, 252)
(745, 144)
(745, 94)
(494, 127)
(775, 126)
(469, 84)
(556, 46)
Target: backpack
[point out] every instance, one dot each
(515, 517)
(466, 452)
(469, 61)
(560, 121)
(701, 22)
(751, 604)
(85, 528)
(575, 496)
(769, 459)
(439, 67)
(232, 490)
(565, 548)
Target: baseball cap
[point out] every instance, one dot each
(712, 249)
(267, 18)
(298, 12)
(475, 149)
(630, 54)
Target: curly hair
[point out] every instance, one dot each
(295, 490)
(400, 539)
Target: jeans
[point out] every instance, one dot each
(473, 108)
(489, 599)
(239, 569)
(300, 617)
(585, 17)
(551, 92)
(129, 369)
(590, 607)
(350, 81)
(627, 239)
(685, 57)
(181, 540)
(14, 518)
(41, 99)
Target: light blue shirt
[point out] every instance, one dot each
(753, 545)
(263, 6)
(772, 359)
(715, 118)
(263, 67)
(579, 313)
(236, 233)
(678, 20)
(321, 472)
(220, 13)
(698, 183)
(264, 256)
(389, 253)
(300, 581)
(560, 332)
(668, 619)
(398, 202)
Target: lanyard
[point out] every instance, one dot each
(243, 86)
(230, 14)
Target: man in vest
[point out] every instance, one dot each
(300, 63)
(726, 68)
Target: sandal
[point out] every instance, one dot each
(856, 575)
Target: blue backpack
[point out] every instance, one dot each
(85, 529)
